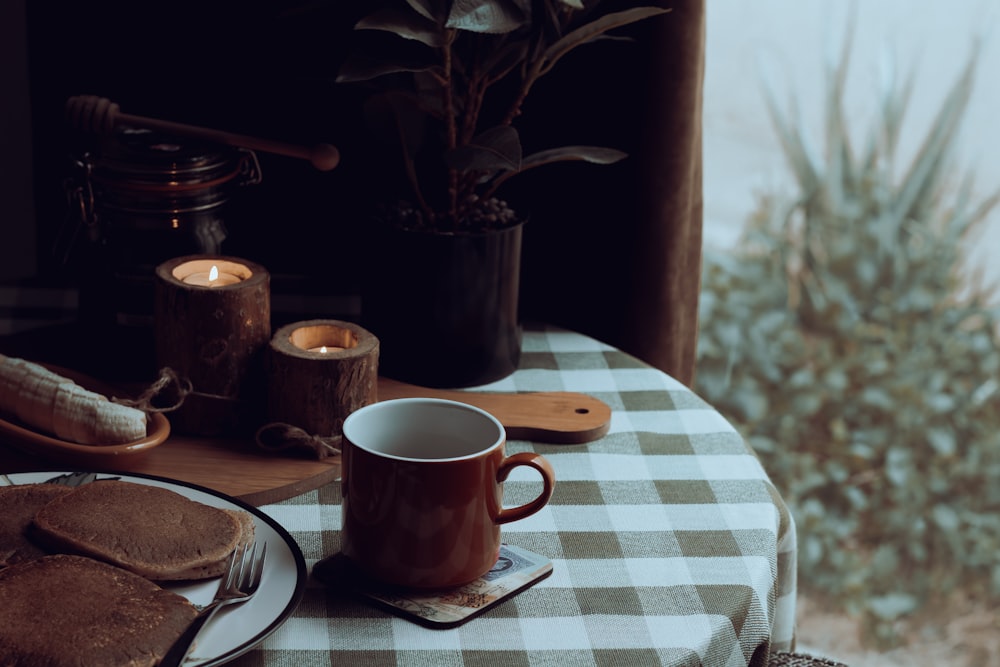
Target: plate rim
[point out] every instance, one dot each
(301, 570)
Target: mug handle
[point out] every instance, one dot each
(539, 463)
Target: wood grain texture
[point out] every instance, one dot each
(238, 468)
(558, 417)
(215, 338)
(315, 391)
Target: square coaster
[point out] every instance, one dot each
(516, 570)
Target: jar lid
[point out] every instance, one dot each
(145, 159)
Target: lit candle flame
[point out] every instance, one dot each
(322, 349)
(213, 273)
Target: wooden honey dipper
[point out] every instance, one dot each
(90, 113)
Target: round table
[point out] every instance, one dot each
(669, 544)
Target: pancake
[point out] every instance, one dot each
(18, 506)
(72, 611)
(245, 520)
(151, 531)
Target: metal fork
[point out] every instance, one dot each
(238, 584)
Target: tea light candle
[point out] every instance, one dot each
(212, 330)
(316, 390)
(323, 349)
(323, 336)
(212, 278)
(216, 272)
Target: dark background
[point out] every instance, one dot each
(250, 68)
(264, 68)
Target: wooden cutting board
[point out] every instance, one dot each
(240, 469)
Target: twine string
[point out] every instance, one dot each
(172, 388)
(273, 437)
(278, 436)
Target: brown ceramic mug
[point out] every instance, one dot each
(422, 483)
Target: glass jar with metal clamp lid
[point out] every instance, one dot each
(143, 197)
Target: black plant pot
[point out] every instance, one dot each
(444, 306)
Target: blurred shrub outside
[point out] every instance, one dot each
(844, 339)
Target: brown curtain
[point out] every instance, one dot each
(615, 252)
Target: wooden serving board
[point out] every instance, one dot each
(238, 468)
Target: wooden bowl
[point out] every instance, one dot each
(51, 448)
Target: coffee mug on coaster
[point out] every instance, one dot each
(422, 483)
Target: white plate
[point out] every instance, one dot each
(235, 630)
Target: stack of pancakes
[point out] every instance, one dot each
(80, 570)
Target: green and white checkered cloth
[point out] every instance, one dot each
(670, 545)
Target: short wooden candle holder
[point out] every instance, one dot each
(211, 328)
(318, 372)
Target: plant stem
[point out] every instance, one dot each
(533, 69)
(531, 75)
(451, 128)
(476, 85)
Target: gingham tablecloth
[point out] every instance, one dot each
(670, 545)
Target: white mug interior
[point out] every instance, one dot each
(424, 429)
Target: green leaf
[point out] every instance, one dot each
(496, 149)
(362, 67)
(946, 518)
(941, 403)
(793, 145)
(943, 441)
(892, 606)
(590, 31)
(763, 444)
(807, 404)
(812, 550)
(898, 466)
(434, 10)
(836, 379)
(877, 397)
(752, 405)
(895, 98)
(885, 562)
(884, 414)
(857, 498)
(406, 24)
(592, 154)
(928, 161)
(489, 16)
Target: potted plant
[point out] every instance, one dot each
(452, 78)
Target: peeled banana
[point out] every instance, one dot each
(57, 405)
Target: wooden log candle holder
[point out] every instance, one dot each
(318, 372)
(212, 322)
